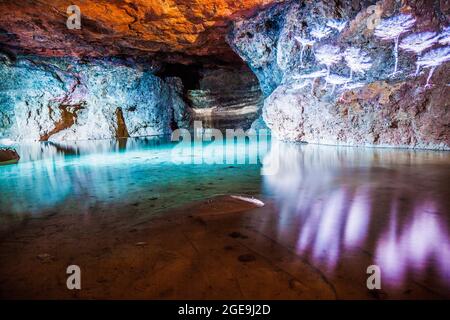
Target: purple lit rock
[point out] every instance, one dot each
(374, 108)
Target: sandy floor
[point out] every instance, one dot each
(214, 249)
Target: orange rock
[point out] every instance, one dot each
(130, 27)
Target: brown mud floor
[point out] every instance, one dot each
(214, 249)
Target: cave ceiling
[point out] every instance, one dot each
(177, 31)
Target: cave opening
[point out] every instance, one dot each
(188, 73)
(223, 95)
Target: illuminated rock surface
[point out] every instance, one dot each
(374, 108)
(60, 99)
(8, 156)
(66, 99)
(131, 27)
(179, 61)
(226, 98)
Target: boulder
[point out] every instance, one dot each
(8, 156)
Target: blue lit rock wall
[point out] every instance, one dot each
(373, 108)
(65, 99)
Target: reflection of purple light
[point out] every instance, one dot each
(408, 250)
(331, 210)
(358, 219)
(321, 229)
(323, 226)
(422, 236)
(307, 233)
(387, 254)
(326, 244)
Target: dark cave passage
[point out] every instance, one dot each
(222, 96)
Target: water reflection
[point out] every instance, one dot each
(389, 204)
(332, 203)
(106, 176)
(32, 151)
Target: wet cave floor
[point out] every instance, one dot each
(143, 227)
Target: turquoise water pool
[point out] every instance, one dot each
(92, 176)
(330, 202)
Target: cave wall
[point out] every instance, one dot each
(70, 99)
(376, 108)
(59, 84)
(226, 97)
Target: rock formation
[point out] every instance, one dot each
(8, 156)
(122, 73)
(65, 99)
(374, 108)
(176, 29)
(140, 67)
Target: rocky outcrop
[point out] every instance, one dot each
(68, 99)
(8, 156)
(372, 107)
(97, 99)
(378, 114)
